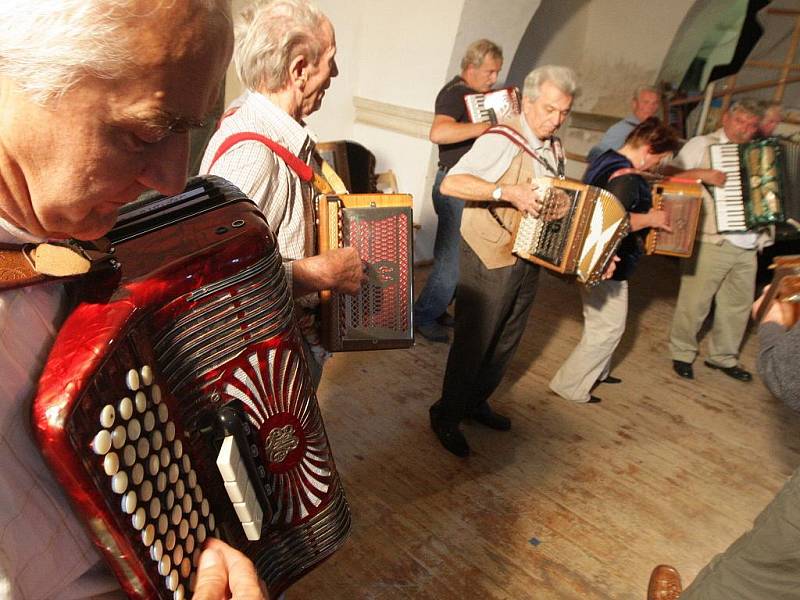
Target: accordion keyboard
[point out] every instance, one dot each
(728, 199)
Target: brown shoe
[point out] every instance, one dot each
(665, 584)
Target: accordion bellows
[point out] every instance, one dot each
(577, 232)
(176, 402)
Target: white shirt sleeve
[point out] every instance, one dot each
(489, 157)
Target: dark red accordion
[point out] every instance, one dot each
(176, 402)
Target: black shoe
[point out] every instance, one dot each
(593, 400)
(683, 369)
(736, 372)
(487, 417)
(610, 379)
(433, 332)
(449, 435)
(446, 320)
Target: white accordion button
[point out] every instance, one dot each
(173, 473)
(149, 420)
(148, 535)
(198, 493)
(163, 524)
(161, 482)
(170, 500)
(169, 541)
(111, 464)
(163, 413)
(132, 380)
(139, 519)
(177, 514)
(119, 437)
(101, 443)
(180, 488)
(157, 440)
(119, 482)
(140, 400)
(212, 522)
(186, 463)
(183, 529)
(177, 555)
(177, 449)
(189, 544)
(146, 374)
(143, 448)
(155, 394)
(180, 593)
(164, 565)
(191, 479)
(164, 456)
(169, 431)
(146, 491)
(201, 534)
(186, 503)
(134, 429)
(194, 519)
(157, 550)
(125, 408)
(172, 581)
(155, 508)
(153, 465)
(129, 455)
(186, 566)
(107, 416)
(129, 503)
(137, 474)
(204, 508)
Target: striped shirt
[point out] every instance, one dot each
(44, 551)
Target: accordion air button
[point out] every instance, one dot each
(157, 440)
(161, 481)
(235, 491)
(149, 420)
(163, 413)
(129, 503)
(155, 508)
(146, 491)
(143, 448)
(119, 482)
(163, 524)
(140, 400)
(134, 429)
(111, 464)
(119, 436)
(125, 408)
(146, 374)
(169, 431)
(252, 530)
(139, 519)
(129, 455)
(149, 535)
(137, 474)
(132, 380)
(186, 565)
(172, 581)
(169, 541)
(107, 416)
(101, 443)
(157, 550)
(164, 565)
(180, 593)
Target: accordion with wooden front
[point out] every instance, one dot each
(785, 286)
(176, 403)
(754, 191)
(682, 200)
(494, 106)
(380, 227)
(577, 232)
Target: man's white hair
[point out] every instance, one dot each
(47, 46)
(272, 33)
(562, 77)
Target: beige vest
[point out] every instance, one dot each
(489, 237)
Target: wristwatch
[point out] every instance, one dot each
(497, 193)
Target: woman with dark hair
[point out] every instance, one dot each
(605, 307)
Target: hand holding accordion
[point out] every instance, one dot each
(785, 288)
(576, 232)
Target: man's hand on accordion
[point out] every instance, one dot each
(523, 197)
(339, 270)
(225, 573)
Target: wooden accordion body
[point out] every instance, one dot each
(682, 201)
(380, 227)
(583, 241)
(176, 403)
(785, 286)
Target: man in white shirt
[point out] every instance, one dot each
(285, 85)
(96, 101)
(723, 268)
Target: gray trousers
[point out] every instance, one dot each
(725, 274)
(605, 310)
(763, 564)
(491, 312)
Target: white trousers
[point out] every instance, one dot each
(605, 310)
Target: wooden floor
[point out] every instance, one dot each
(577, 501)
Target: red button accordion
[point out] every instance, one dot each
(176, 403)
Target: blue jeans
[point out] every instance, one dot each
(441, 284)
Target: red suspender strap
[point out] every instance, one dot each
(304, 171)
